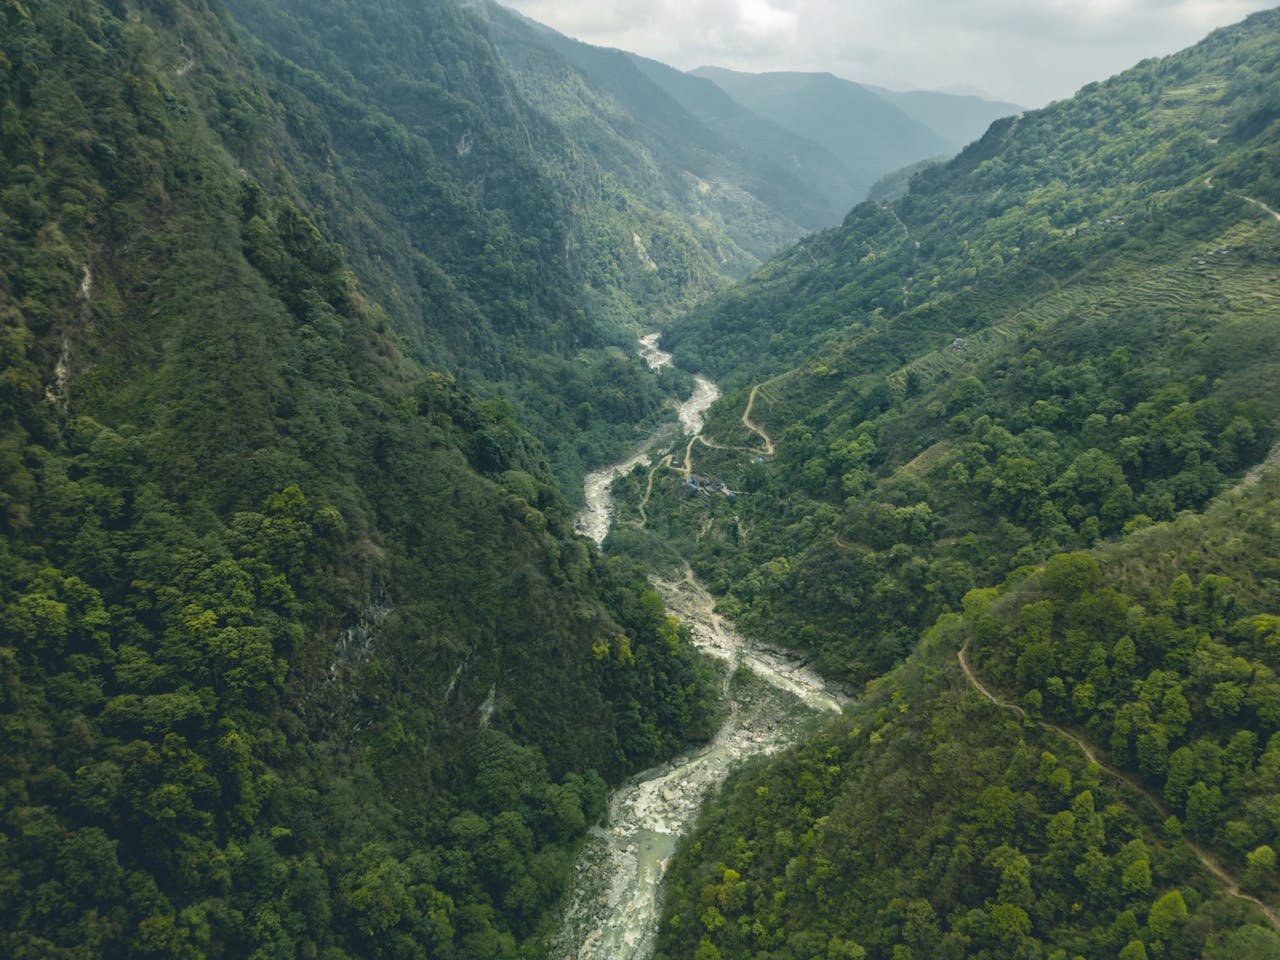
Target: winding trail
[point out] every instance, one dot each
(840, 542)
(747, 422)
(1210, 862)
(685, 467)
(1259, 203)
(905, 231)
(648, 489)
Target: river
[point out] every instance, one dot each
(596, 517)
(615, 900)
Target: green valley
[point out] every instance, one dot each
(949, 630)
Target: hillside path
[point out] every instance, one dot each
(747, 422)
(1210, 862)
(1259, 203)
(648, 489)
(685, 469)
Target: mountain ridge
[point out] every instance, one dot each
(712, 139)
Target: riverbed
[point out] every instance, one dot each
(596, 517)
(615, 901)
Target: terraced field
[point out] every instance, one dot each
(1217, 276)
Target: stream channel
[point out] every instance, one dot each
(771, 699)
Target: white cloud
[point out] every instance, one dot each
(1029, 51)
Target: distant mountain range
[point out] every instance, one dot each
(873, 131)
(766, 158)
(960, 118)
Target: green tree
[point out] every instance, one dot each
(1261, 864)
(1166, 915)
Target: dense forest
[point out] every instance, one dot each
(1041, 191)
(931, 822)
(300, 654)
(314, 315)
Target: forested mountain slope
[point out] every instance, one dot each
(431, 72)
(1115, 369)
(515, 198)
(747, 186)
(805, 159)
(932, 822)
(306, 307)
(1039, 368)
(298, 653)
(501, 248)
(1043, 189)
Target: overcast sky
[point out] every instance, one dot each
(1025, 51)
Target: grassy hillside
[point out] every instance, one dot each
(300, 655)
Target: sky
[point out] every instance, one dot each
(1028, 52)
